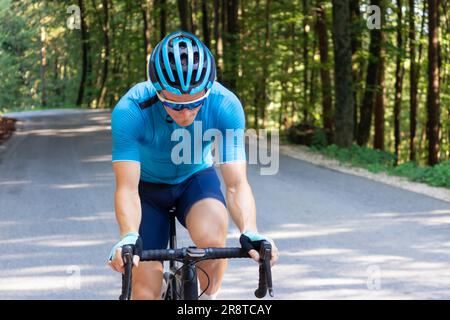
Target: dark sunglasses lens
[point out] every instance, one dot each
(179, 107)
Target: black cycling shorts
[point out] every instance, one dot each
(157, 199)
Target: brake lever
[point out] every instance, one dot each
(127, 256)
(265, 273)
(268, 268)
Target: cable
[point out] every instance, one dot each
(190, 264)
(207, 277)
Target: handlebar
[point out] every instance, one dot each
(193, 254)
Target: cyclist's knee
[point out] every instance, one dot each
(211, 239)
(147, 280)
(208, 230)
(145, 292)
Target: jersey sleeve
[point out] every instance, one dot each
(231, 123)
(127, 127)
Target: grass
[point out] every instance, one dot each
(381, 161)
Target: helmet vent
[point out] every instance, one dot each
(171, 58)
(184, 59)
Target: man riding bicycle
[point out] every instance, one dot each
(181, 89)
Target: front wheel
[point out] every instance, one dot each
(173, 287)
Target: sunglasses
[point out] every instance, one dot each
(177, 106)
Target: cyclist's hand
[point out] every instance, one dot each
(115, 260)
(251, 242)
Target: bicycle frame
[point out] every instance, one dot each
(188, 276)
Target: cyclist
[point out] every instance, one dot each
(181, 89)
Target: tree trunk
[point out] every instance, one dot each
(413, 83)
(84, 54)
(146, 7)
(313, 81)
(192, 12)
(399, 72)
(205, 24)
(216, 28)
(380, 98)
(325, 78)
(223, 41)
(43, 67)
(343, 74)
(367, 106)
(163, 18)
(106, 45)
(305, 61)
(183, 10)
(414, 75)
(231, 54)
(357, 70)
(57, 88)
(433, 83)
(265, 67)
(64, 77)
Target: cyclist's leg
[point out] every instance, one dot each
(207, 223)
(201, 209)
(154, 230)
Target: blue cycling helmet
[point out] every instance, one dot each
(181, 64)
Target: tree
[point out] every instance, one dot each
(414, 74)
(367, 106)
(433, 83)
(357, 70)
(163, 17)
(146, 6)
(205, 24)
(216, 28)
(184, 15)
(380, 97)
(85, 67)
(321, 30)
(305, 60)
(399, 72)
(104, 21)
(343, 74)
(43, 67)
(231, 36)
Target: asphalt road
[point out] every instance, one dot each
(340, 236)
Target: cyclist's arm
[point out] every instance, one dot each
(126, 197)
(240, 201)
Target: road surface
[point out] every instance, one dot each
(340, 236)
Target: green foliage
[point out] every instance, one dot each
(319, 140)
(380, 161)
(438, 176)
(364, 157)
(278, 82)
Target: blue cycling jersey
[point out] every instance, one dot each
(142, 131)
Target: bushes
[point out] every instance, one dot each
(438, 176)
(381, 161)
(308, 135)
(371, 159)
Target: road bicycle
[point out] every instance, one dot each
(181, 279)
